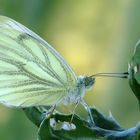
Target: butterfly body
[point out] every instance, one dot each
(75, 94)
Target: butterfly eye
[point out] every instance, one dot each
(89, 81)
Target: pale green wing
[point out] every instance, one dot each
(32, 73)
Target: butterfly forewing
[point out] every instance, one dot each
(32, 73)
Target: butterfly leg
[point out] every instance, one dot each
(74, 111)
(51, 110)
(48, 114)
(88, 110)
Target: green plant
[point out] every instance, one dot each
(58, 127)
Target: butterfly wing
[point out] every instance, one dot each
(32, 73)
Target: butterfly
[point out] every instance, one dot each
(32, 73)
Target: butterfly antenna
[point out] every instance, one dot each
(117, 75)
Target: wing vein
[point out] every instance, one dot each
(40, 63)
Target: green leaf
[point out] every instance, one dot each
(105, 122)
(34, 115)
(134, 72)
(58, 127)
(47, 132)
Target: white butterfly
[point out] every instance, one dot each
(32, 73)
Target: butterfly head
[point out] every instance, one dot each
(86, 81)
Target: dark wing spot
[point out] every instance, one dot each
(23, 36)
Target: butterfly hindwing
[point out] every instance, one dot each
(32, 73)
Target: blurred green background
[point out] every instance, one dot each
(93, 36)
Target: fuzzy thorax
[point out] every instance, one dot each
(83, 83)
